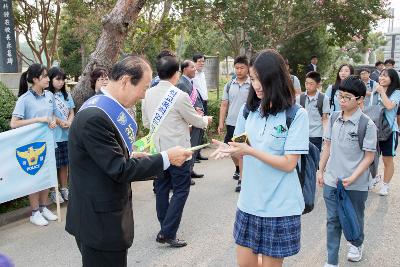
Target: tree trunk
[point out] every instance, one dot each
(115, 29)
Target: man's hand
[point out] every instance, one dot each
(320, 178)
(199, 111)
(221, 128)
(178, 155)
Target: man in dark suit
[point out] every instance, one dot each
(99, 211)
(185, 83)
(313, 65)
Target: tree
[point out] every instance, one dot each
(45, 15)
(253, 25)
(115, 29)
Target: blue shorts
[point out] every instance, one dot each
(277, 237)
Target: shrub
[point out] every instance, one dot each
(7, 103)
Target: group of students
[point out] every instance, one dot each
(267, 224)
(43, 98)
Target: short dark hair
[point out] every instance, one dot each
(353, 85)
(97, 73)
(54, 73)
(165, 53)
(133, 66)
(167, 67)
(241, 60)
(390, 61)
(379, 63)
(313, 56)
(185, 64)
(198, 56)
(314, 75)
(278, 90)
(365, 69)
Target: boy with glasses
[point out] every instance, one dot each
(342, 158)
(369, 84)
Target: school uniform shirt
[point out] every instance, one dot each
(345, 153)
(328, 93)
(367, 99)
(391, 115)
(315, 119)
(63, 107)
(267, 191)
(31, 105)
(236, 96)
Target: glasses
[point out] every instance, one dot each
(347, 98)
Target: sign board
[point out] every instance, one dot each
(8, 54)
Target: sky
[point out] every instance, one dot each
(383, 24)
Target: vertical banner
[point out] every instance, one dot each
(27, 161)
(8, 53)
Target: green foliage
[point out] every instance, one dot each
(69, 51)
(7, 103)
(14, 204)
(299, 50)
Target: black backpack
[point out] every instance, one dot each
(320, 101)
(308, 164)
(332, 96)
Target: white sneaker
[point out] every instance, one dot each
(355, 253)
(53, 197)
(38, 219)
(384, 191)
(48, 214)
(374, 182)
(330, 265)
(64, 193)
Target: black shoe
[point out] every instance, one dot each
(192, 182)
(239, 186)
(196, 161)
(196, 175)
(176, 243)
(200, 157)
(236, 176)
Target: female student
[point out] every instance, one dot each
(271, 201)
(345, 70)
(34, 105)
(389, 97)
(65, 113)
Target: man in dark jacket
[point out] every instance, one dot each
(103, 165)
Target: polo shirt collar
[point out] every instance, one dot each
(33, 92)
(312, 97)
(355, 118)
(247, 80)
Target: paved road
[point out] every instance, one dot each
(207, 226)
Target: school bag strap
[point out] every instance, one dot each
(246, 111)
(228, 85)
(320, 102)
(303, 97)
(362, 129)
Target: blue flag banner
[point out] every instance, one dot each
(28, 163)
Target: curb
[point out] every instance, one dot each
(22, 213)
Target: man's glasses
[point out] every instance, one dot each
(347, 98)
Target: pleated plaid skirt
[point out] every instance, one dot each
(277, 237)
(62, 154)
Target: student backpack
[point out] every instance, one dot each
(320, 101)
(361, 131)
(376, 113)
(308, 163)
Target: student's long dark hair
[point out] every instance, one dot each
(34, 71)
(338, 80)
(394, 81)
(56, 72)
(278, 90)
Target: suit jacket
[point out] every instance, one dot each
(185, 85)
(174, 130)
(100, 205)
(309, 68)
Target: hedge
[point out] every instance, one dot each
(7, 103)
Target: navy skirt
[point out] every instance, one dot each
(62, 154)
(277, 237)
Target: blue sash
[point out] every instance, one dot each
(121, 119)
